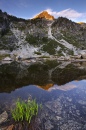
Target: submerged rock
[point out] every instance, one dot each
(48, 125)
(3, 117)
(10, 127)
(7, 127)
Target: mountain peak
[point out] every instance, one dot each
(45, 15)
(81, 22)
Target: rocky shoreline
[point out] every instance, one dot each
(43, 58)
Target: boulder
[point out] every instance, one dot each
(83, 54)
(67, 58)
(7, 59)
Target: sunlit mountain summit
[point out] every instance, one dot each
(45, 15)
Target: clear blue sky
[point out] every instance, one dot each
(72, 9)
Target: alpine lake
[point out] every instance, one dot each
(60, 86)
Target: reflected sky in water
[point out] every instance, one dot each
(43, 95)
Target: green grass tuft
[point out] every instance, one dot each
(25, 111)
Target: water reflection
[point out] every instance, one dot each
(16, 75)
(61, 89)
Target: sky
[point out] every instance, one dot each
(72, 9)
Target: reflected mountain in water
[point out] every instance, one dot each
(47, 86)
(71, 72)
(66, 87)
(16, 75)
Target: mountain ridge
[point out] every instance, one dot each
(39, 36)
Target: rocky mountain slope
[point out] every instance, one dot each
(40, 36)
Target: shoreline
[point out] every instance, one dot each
(40, 59)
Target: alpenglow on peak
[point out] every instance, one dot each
(45, 15)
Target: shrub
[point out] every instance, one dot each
(44, 56)
(38, 53)
(50, 46)
(34, 40)
(25, 111)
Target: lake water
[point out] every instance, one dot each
(59, 86)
